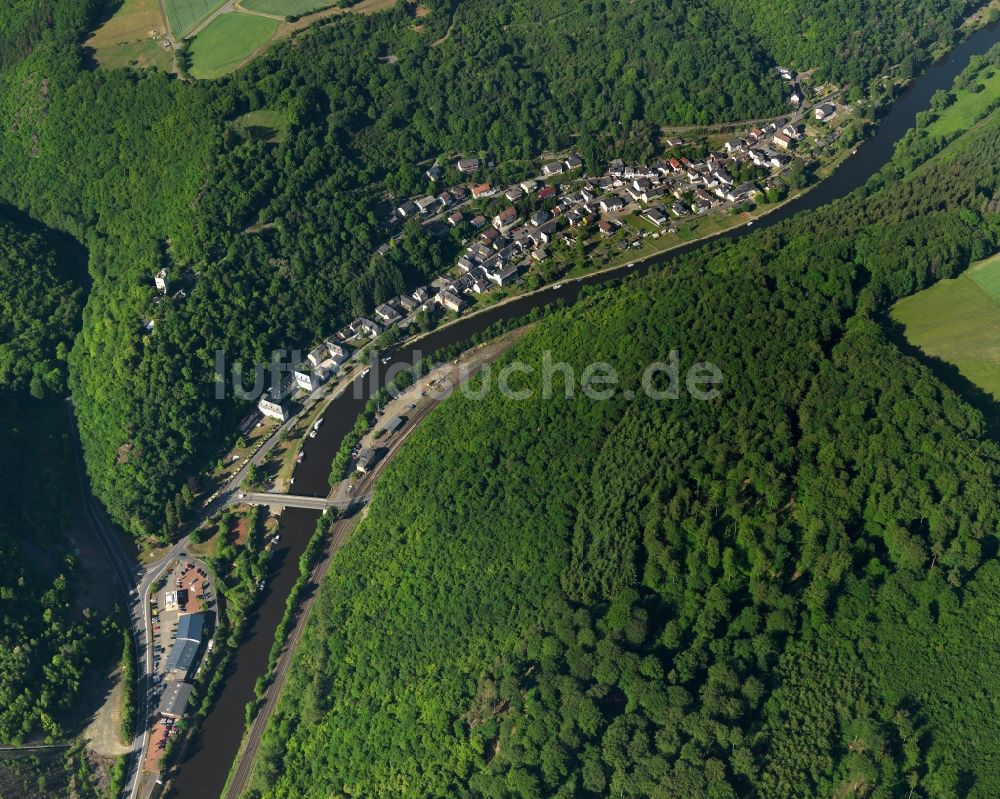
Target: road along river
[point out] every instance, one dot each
(206, 766)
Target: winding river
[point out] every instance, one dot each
(203, 773)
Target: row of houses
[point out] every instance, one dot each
(510, 243)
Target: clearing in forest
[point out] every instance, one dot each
(958, 321)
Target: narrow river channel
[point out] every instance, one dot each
(203, 773)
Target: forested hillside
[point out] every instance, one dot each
(787, 591)
(45, 641)
(46, 638)
(40, 304)
(150, 172)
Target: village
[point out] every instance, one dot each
(522, 235)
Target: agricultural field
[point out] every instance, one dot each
(185, 15)
(228, 42)
(133, 36)
(286, 8)
(958, 321)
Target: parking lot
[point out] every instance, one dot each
(185, 588)
(188, 586)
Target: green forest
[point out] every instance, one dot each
(46, 639)
(270, 241)
(786, 591)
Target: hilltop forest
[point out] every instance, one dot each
(786, 591)
(268, 240)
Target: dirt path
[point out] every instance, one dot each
(223, 9)
(238, 6)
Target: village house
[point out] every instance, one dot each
(478, 221)
(723, 177)
(421, 294)
(456, 218)
(504, 276)
(434, 173)
(317, 355)
(513, 194)
(444, 199)
(574, 162)
(539, 218)
(605, 227)
(273, 410)
(161, 282)
(407, 209)
(677, 208)
(547, 231)
(506, 218)
(366, 460)
(655, 215)
(782, 141)
(387, 314)
(482, 190)
(824, 111)
(797, 96)
(425, 204)
(468, 165)
(529, 186)
(308, 379)
(547, 193)
(480, 282)
(450, 301)
(338, 352)
(407, 303)
(554, 168)
(366, 327)
(612, 203)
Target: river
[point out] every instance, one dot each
(203, 773)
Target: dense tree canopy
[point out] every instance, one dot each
(781, 592)
(271, 238)
(39, 312)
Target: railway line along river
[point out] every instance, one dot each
(203, 772)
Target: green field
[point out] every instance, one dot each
(968, 106)
(263, 125)
(286, 8)
(227, 42)
(183, 15)
(958, 321)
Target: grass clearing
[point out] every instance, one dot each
(263, 125)
(286, 8)
(228, 42)
(183, 15)
(968, 106)
(958, 321)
